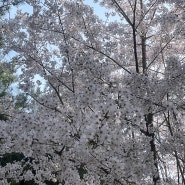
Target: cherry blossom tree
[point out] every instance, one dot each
(106, 99)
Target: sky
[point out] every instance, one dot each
(99, 10)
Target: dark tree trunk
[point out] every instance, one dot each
(151, 135)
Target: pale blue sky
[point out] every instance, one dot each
(99, 10)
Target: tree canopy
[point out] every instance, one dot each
(105, 99)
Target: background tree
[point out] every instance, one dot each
(8, 99)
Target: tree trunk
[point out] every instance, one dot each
(151, 135)
(149, 117)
